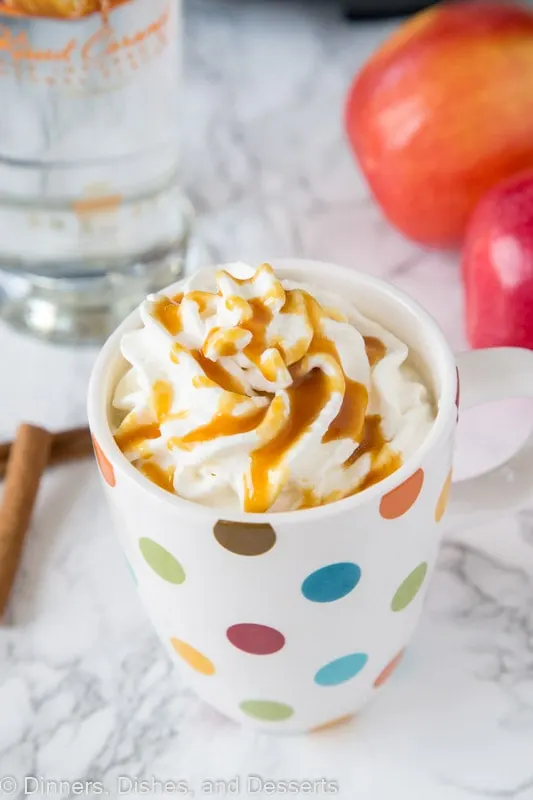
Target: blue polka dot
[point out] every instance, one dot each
(340, 670)
(331, 582)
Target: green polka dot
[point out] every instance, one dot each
(162, 562)
(409, 588)
(267, 710)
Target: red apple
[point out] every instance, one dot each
(498, 266)
(442, 112)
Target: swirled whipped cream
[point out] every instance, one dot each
(245, 390)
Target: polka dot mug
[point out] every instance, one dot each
(293, 621)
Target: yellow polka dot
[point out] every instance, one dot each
(442, 502)
(193, 657)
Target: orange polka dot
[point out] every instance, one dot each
(326, 726)
(397, 502)
(108, 473)
(389, 669)
(442, 502)
(193, 657)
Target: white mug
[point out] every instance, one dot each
(292, 621)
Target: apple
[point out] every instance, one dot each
(442, 112)
(497, 266)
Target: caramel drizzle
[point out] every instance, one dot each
(224, 423)
(307, 399)
(384, 461)
(162, 397)
(375, 350)
(168, 313)
(278, 428)
(131, 435)
(162, 477)
(214, 371)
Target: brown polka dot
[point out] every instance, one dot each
(245, 538)
(334, 723)
(397, 502)
(385, 674)
(108, 473)
(442, 502)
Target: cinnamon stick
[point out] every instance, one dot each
(27, 460)
(66, 446)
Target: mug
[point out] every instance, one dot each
(292, 621)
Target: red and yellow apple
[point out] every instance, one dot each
(497, 266)
(442, 112)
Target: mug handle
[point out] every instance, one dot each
(485, 376)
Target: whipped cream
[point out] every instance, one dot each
(264, 394)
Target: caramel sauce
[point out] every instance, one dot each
(383, 463)
(307, 399)
(272, 365)
(179, 414)
(372, 441)
(213, 371)
(144, 451)
(375, 349)
(168, 313)
(162, 477)
(204, 300)
(383, 460)
(319, 342)
(389, 463)
(295, 304)
(203, 382)
(278, 429)
(309, 499)
(216, 373)
(334, 313)
(236, 303)
(350, 421)
(257, 324)
(131, 436)
(223, 341)
(224, 423)
(162, 397)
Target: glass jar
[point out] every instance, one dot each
(92, 216)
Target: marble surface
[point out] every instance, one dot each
(86, 691)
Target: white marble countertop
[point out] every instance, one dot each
(86, 692)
